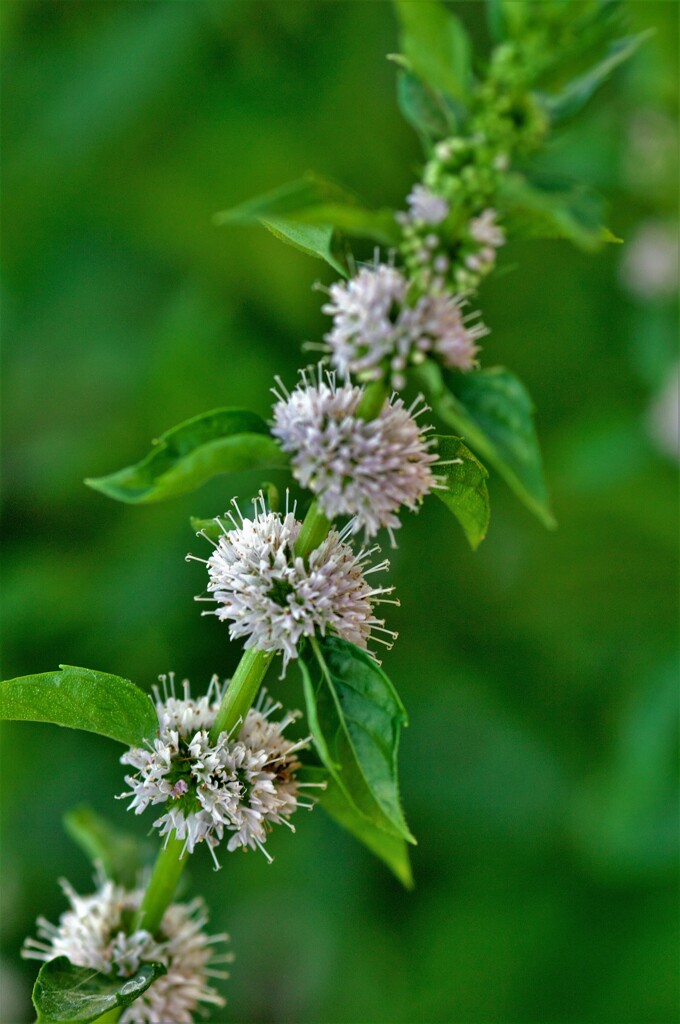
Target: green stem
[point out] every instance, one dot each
(372, 401)
(162, 884)
(313, 531)
(111, 1017)
(242, 690)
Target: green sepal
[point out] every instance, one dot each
(465, 493)
(492, 410)
(436, 46)
(65, 994)
(392, 851)
(120, 854)
(355, 718)
(184, 458)
(81, 698)
(574, 96)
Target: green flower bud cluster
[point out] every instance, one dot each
(466, 173)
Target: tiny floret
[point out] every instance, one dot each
(274, 597)
(486, 231)
(426, 206)
(377, 333)
(95, 932)
(234, 787)
(359, 468)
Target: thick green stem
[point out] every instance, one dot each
(242, 690)
(162, 884)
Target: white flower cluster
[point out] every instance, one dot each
(241, 787)
(273, 597)
(93, 933)
(365, 469)
(376, 334)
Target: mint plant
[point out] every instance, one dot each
(300, 578)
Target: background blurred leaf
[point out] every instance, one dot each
(436, 46)
(574, 96)
(120, 854)
(424, 108)
(571, 212)
(184, 458)
(65, 994)
(81, 698)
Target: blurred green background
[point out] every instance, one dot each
(539, 769)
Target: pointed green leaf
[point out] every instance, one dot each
(65, 994)
(120, 854)
(392, 850)
(310, 214)
(423, 108)
(553, 210)
(494, 413)
(184, 458)
(574, 96)
(315, 240)
(81, 698)
(436, 46)
(288, 201)
(355, 717)
(465, 493)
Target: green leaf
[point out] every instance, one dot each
(436, 46)
(355, 718)
(319, 241)
(495, 16)
(81, 698)
(466, 493)
(494, 413)
(423, 108)
(574, 96)
(392, 850)
(119, 853)
(555, 210)
(65, 994)
(310, 213)
(184, 458)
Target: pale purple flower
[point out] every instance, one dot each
(274, 597)
(426, 206)
(377, 334)
(486, 231)
(237, 786)
(94, 932)
(359, 468)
